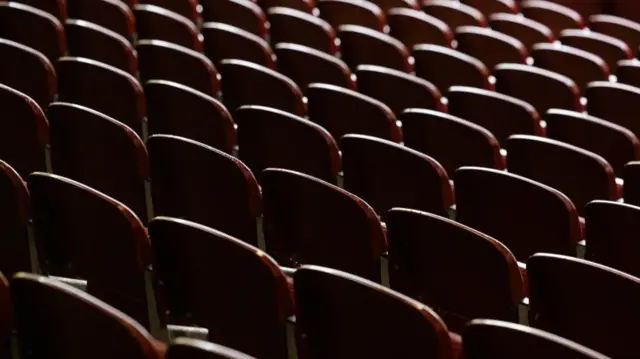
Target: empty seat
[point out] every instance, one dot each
(187, 348)
(15, 213)
(502, 115)
(555, 16)
(175, 109)
(161, 60)
(388, 175)
(244, 14)
(386, 5)
(100, 152)
(625, 9)
(524, 215)
(363, 46)
(186, 8)
(57, 8)
(246, 83)
(614, 143)
(413, 27)
(631, 176)
(527, 31)
(611, 102)
(352, 12)
(196, 182)
(586, 8)
(115, 15)
(224, 41)
(397, 89)
(296, 61)
(82, 233)
(189, 255)
(541, 88)
(488, 7)
(24, 132)
(299, 27)
(307, 220)
(628, 72)
(490, 46)
(272, 138)
(102, 88)
(334, 312)
(580, 66)
(561, 304)
(610, 49)
(446, 67)
(33, 28)
(302, 5)
(157, 23)
(85, 39)
(454, 13)
(459, 272)
(617, 27)
(341, 111)
(57, 320)
(581, 175)
(485, 338)
(611, 232)
(450, 140)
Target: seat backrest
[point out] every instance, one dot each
(302, 5)
(60, 321)
(245, 14)
(189, 257)
(186, 8)
(551, 14)
(490, 46)
(414, 27)
(617, 27)
(562, 303)
(610, 101)
(610, 49)
(445, 67)
(309, 221)
(459, 272)
(57, 8)
(187, 348)
(386, 5)
(272, 138)
(300, 27)
(345, 12)
(527, 31)
(157, 23)
(362, 46)
(488, 7)
(335, 312)
(631, 176)
(15, 213)
(454, 14)
(524, 215)
(115, 15)
(486, 338)
(628, 72)
(223, 41)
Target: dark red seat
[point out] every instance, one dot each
(454, 13)
(413, 27)
(57, 8)
(485, 338)
(628, 72)
(299, 27)
(586, 8)
(450, 140)
(57, 320)
(295, 62)
(222, 41)
(189, 255)
(502, 115)
(245, 14)
(15, 213)
(100, 152)
(186, 8)
(387, 175)
(614, 143)
(397, 89)
(488, 7)
(625, 9)
(631, 176)
(33, 28)
(272, 138)
(445, 67)
(157, 23)
(103, 88)
(611, 101)
(199, 183)
(562, 304)
(526, 83)
(363, 46)
(341, 111)
(24, 132)
(85, 39)
(524, 215)
(175, 109)
(352, 12)
(459, 272)
(334, 315)
(490, 46)
(617, 27)
(82, 233)
(581, 175)
(580, 66)
(302, 5)
(527, 31)
(115, 15)
(610, 49)
(555, 16)
(309, 221)
(187, 348)
(161, 60)
(386, 5)
(246, 83)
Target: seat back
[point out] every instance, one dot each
(115, 15)
(223, 41)
(186, 8)
(454, 14)
(631, 176)
(490, 46)
(555, 16)
(445, 67)
(414, 27)
(300, 27)
(527, 31)
(608, 101)
(244, 14)
(350, 12)
(15, 213)
(610, 49)
(363, 46)
(158, 23)
(617, 27)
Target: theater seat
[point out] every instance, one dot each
(610, 101)
(299, 27)
(245, 14)
(527, 31)
(620, 28)
(157, 23)
(555, 16)
(490, 46)
(445, 67)
(454, 13)
(222, 41)
(352, 12)
(363, 46)
(413, 27)
(15, 213)
(610, 49)
(115, 15)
